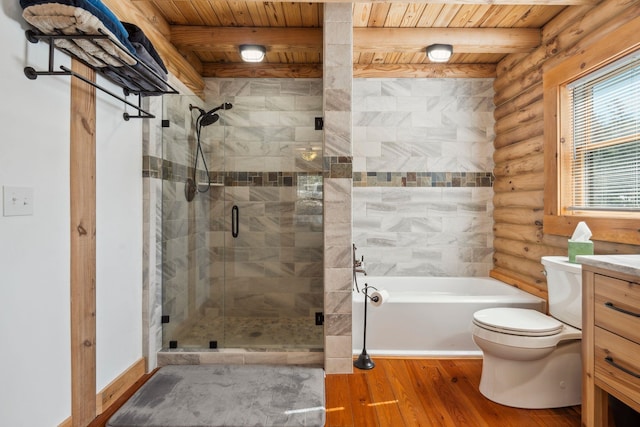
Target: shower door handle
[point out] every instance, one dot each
(235, 221)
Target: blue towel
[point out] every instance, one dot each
(155, 73)
(137, 37)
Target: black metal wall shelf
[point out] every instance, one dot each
(139, 85)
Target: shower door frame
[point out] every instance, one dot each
(273, 189)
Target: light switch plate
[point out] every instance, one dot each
(17, 201)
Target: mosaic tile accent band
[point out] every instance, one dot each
(423, 179)
(338, 166)
(158, 168)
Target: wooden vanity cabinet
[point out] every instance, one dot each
(610, 342)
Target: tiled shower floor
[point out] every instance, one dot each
(252, 332)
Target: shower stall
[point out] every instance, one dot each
(242, 238)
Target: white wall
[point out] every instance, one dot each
(34, 250)
(118, 239)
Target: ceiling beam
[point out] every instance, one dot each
(464, 40)
(479, 2)
(262, 70)
(405, 40)
(227, 39)
(424, 70)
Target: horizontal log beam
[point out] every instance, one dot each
(520, 281)
(262, 70)
(463, 40)
(424, 70)
(225, 39)
(524, 267)
(518, 150)
(480, 2)
(518, 216)
(366, 40)
(247, 70)
(520, 232)
(522, 182)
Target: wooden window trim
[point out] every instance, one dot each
(619, 227)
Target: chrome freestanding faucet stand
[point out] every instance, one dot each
(364, 360)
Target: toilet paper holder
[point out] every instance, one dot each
(364, 360)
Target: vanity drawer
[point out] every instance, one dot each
(616, 363)
(617, 306)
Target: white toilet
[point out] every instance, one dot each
(531, 360)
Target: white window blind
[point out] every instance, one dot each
(605, 140)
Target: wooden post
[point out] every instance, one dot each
(83, 247)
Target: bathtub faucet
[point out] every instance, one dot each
(358, 265)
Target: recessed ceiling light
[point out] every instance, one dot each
(439, 52)
(252, 52)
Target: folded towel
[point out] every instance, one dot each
(137, 38)
(145, 74)
(150, 77)
(130, 77)
(82, 17)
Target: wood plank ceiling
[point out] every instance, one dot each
(389, 37)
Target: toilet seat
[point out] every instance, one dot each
(517, 321)
(522, 335)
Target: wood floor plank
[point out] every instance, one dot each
(453, 403)
(382, 397)
(361, 406)
(432, 393)
(338, 401)
(493, 413)
(409, 399)
(467, 372)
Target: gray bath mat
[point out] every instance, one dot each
(226, 395)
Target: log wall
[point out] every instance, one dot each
(519, 241)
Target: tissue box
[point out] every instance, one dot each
(579, 248)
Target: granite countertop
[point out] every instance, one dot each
(627, 264)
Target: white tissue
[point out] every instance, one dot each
(581, 233)
(379, 297)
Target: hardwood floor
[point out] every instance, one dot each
(427, 392)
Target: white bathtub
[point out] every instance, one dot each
(430, 316)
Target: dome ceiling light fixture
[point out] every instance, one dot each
(252, 52)
(439, 52)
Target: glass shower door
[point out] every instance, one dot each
(273, 266)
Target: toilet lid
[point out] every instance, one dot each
(517, 321)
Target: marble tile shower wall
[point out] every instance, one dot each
(422, 196)
(270, 125)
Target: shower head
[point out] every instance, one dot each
(207, 119)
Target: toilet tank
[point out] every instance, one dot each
(564, 286)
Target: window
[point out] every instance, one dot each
(603, 147)
(592, 139)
